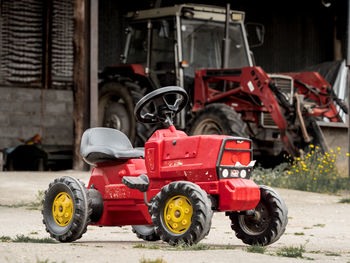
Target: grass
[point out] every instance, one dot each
(320, 225)
(199, 246)
(331, 254)
(344, 201)
(291, 252)
(185, 247)
(46, 261)
(299, 233)
(313, 171)
(26, 239)
(157, 260)
(146, 247)
(256, 249)
(34, 205)
(5, 239)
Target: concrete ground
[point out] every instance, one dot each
(316, 221)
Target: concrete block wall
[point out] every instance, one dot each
(25, 112)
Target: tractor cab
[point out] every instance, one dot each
(173, 42)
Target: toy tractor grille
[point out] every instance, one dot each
(235, 158)
(284, 84)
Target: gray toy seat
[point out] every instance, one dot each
(106, 144)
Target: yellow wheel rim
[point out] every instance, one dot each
(178, 214)
(62, 209)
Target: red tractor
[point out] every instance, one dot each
(167, 190)
(181, 45)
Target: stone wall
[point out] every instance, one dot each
(25, 112)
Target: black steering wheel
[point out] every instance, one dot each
(166, 101)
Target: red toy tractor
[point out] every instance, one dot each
(167, 190)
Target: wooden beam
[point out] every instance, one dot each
(94, 63)
(80, 78)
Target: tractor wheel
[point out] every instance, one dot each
(145, 232)
(181, 213)
(218, 118)
(66, 209)
(268, 222)
(116, 108)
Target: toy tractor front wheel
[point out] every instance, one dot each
(268, 222)
(145, 232)
(181, 213)
(66, 209)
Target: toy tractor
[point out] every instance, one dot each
(167, 190)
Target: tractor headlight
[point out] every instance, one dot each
(225, 173)
(230, 172)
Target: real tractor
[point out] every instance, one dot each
(167, 190)
(205, 50)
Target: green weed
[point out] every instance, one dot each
(320, 225)
(5, 238)
(256, 249)
(331, 254)
(199, 246)
(344, 201)
(35, 205)
(26, 239)
(158, 260)
(146, 247)
(291, 252)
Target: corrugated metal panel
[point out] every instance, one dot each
(21, 41)
(62, 43)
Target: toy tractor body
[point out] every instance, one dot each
(167, 190)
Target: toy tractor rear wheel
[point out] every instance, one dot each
(66, 209)
(145, 232)
(268, 222)
(181, 213)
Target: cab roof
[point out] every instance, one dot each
(215, 13)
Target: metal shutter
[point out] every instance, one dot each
(21, 41)
(62, 43)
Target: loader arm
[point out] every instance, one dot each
(251, 81)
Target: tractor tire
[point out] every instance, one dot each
(218, 118)
(181, 213)
(66, 209)
(145, 232)
(268, 223)
(117, 99)
(116, 108)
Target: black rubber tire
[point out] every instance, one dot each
(218, 118)
(82, 210)
(116, 108)
(271, 225)
(201, 218)
(145, 232)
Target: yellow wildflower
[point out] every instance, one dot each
(311, 146)
(338, 148)
(315, 178)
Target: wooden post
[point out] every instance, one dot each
(80, 78)
(94, 63)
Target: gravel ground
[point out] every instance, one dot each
(316, 221)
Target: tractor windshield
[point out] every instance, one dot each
(202, 45)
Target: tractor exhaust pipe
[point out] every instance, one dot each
(226, 42)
